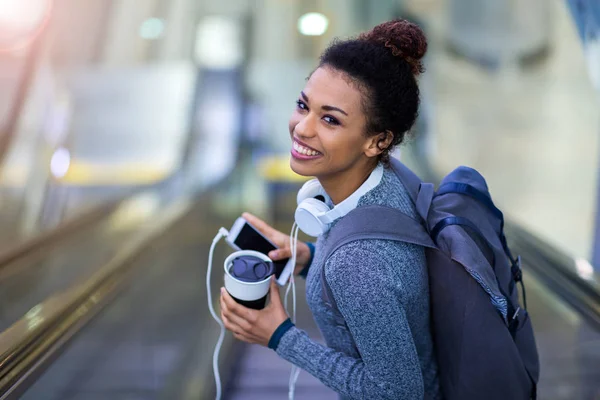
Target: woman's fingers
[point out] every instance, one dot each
(280, 254)
(236, 308)
(261, 225)
(274, 294)
(243, 338)
(253, 326)
(231, 326)
(234, 319)
(237, 331)
(280, 239)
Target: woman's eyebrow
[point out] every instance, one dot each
(326, 108)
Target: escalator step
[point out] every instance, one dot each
(264, 375)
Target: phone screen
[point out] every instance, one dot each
(250, 239)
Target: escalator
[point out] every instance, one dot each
(32, 278)
(568, 345)
(117, 308)
(155, 340)
(147, 343)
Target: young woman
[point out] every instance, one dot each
(356, 106)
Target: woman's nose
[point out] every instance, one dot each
(305, 127)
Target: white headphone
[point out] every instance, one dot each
(314, 217)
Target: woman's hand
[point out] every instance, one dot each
(253, 326)
(282, 241)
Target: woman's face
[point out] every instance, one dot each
(327, 127)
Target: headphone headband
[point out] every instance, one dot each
(314, 217)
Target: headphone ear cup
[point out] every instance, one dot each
(310, 190)
(307, 217)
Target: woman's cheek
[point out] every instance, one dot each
(294, 120)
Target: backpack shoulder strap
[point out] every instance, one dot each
(411, 181)
(376, 222)
(421, 193)
(371, 222)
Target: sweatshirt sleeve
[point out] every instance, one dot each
(370, 300)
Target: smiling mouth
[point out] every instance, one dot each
(305, 151)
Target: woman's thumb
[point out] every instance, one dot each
(274, 289)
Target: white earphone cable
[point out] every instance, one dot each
(294, 246)
(292, 285)
(222, 233)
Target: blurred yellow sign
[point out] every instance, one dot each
(277, 169)
(90, 174)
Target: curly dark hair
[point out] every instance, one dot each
(384, 64)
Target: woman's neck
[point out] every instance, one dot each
(342, 184)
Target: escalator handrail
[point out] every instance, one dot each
(69, 227)
(557, 271)
(64, 230)
(36, 339)
(26, 335)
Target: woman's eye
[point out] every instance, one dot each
(300, 104)
(331, 120)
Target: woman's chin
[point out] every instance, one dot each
(301, 168)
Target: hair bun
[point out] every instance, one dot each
(404, 39)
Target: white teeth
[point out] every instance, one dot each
(303, 150)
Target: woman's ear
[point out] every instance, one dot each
(378, 143)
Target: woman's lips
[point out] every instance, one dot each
(304, 152)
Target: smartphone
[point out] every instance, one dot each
(244, 236)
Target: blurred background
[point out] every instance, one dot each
(130, 131)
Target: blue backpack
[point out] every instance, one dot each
(483, 338)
